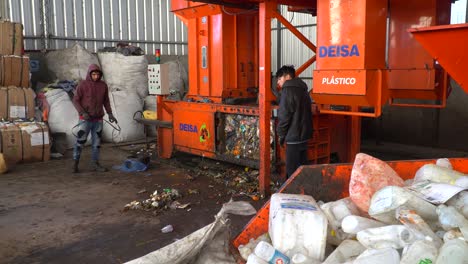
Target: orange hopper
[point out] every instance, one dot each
(448, 45)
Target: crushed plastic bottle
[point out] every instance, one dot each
(167, 229)
(417, 225)
(453, 234)
(301, 259)
(336, 236)
(346, 251)
(254, 259)
(337, 210)
(440, 233)
(368, 176)
(246, 250)
(434, 173)
(444, 162)
(297, 225)
(388, 199)
(395, 236)
(381, 256)
(454, 251)
(460, 202)
(268, 253)
(450, 218)
(420, 252)
(352, 224)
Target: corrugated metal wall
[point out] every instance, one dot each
(148, 24)
(292, 51)
(145, 23)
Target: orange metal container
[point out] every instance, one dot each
(326, 183)
(351, 53)
(448, 45)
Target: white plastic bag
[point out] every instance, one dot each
(178, 78)
(124, 104)
(63, 116)
(71, 63)
(205, 246)
(125, 73)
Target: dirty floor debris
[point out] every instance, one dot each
(54, 216)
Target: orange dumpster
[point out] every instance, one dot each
(325, 182)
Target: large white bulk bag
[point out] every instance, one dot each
(63, 116)
(178, 78)
(124, 104)
(125, 73)
(71, 63)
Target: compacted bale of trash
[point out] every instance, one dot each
(384, 220)
(242, 136)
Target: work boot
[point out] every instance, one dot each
(97, 167)
(75, 166)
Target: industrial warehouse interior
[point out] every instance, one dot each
(234, 131)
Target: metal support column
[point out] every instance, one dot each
(265, 15)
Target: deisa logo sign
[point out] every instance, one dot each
(338, 51)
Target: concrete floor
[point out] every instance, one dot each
(49, 215)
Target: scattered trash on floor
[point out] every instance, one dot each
(193, 191)
(132, 165)
(167, 229)
(158, 201)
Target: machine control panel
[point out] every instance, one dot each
(158, 79)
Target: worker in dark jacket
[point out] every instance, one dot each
(91, 96)
(294, 118)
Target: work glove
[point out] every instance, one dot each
(112, 119)
(85, 116)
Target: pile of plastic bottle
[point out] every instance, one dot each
(385, 220)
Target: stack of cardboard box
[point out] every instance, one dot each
(14, 67)
(21, 138)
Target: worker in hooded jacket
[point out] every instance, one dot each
(294, 118)
(91, 96)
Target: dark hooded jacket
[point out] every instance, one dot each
(91, 96)
(295, 112)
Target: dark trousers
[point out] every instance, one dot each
(296, 155)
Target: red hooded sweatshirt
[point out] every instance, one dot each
(91, 96)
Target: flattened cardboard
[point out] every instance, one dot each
(14, 71)
(35, 140)
(11, 38)
(3, 103)
(16, 103)
(24, 142)
(10, 143)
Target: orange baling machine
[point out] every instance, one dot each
(365, 58)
